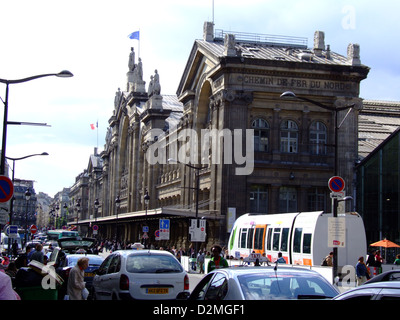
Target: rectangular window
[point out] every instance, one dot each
(297, 240)
(243, 236)
(269, 239)
(316, 199)
(277, 236)
(258, 239)
(307, 243)
(259, 199)
(287, 199)
(250, 235)
(285, 238)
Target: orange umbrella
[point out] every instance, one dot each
(385, 243)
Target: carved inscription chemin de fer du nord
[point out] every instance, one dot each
(296, 83)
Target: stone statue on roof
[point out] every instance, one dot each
(117, 99)
(131, 63)
(154, 85)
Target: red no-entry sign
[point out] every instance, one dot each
(33, 229)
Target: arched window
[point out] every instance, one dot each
(318, 138)
(289, 136)
(261, 134)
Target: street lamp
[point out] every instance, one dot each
(146, 199)
(290, 94)
(117, 204)
(96, 207)
(62, 74)
(197, 188)
(27, 198)
(13, 175)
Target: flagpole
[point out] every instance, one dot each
(139, 44)
(97, 129)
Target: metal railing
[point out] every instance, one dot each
(268, 39)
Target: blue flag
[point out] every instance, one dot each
(134, 35)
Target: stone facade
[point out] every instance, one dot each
(230, 87)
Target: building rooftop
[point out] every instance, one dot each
(376, 122)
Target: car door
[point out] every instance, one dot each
(111, 279)
(100, 283)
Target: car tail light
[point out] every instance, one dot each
(124, 282)
(186, 283)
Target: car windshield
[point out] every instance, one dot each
(282, 286)
(93, 261)
(152, 264)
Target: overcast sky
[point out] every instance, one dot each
(90, 39)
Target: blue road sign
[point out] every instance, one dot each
(6, 189)
(164, 224)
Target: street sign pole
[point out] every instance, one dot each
(335, 184)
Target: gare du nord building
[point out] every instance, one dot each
(231, 83)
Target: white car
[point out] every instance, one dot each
(140, 274)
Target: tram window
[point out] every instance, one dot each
(297, 240)
(258, 239)
(269, 237)
(250, 238)
(275, 242)
(243, 236)
(284, 241)
(307, 243)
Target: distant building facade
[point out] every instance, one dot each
(227, 144)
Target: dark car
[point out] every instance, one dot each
(70, 246)
(263, 283)
(392, 275)
(69, 262)
(386, 290)
(67, 253)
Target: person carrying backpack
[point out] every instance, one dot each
(327, 262)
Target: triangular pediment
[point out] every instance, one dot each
(201, 60)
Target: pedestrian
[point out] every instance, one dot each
(280, 258)
(200, 260)
(328, 260)
(361, 271)
(15, 248)
(371, 259)
(6, 289)
(216, 261)
(397, 261)
(378, 259)
(76, 283)
(38, 254)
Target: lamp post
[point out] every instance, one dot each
(27, 198)
(197, 188)
(62, 74)
(77, 209)
(146, 199)
(13, 175)
(65, 207)
(117, 204)
(335, 202)
(96, 208)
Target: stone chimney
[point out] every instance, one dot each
(208, 31)
(353, 54)
(229, 44)
(319, 43)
